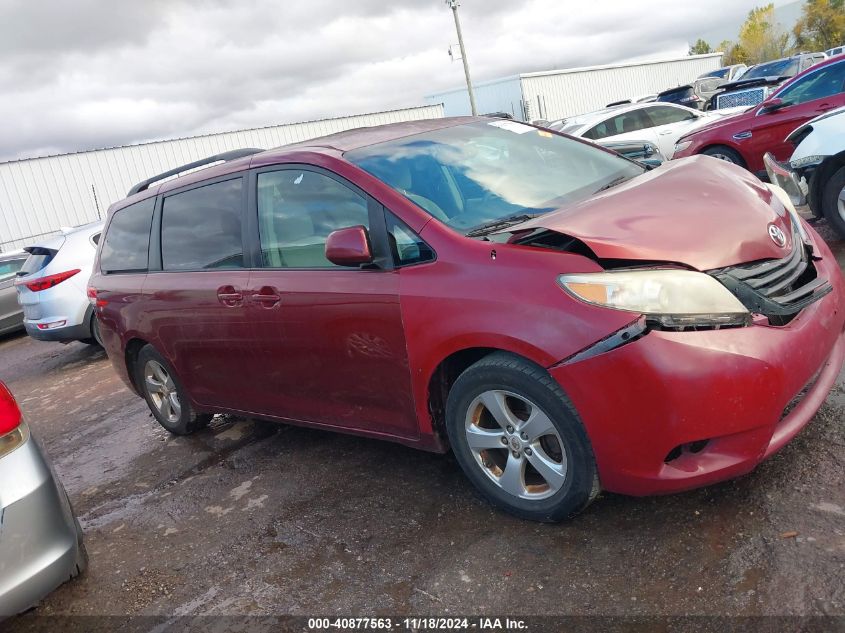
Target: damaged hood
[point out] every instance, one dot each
(698, 211)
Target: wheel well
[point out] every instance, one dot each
(820, 178)
(442, 380)
(133, 347)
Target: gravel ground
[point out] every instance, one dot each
(249, 517)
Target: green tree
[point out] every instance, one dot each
(733, 53)
(700, 48)
(761, 37)
(821, 26)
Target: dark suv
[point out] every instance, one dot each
(562, 318)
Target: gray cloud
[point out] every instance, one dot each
(95, 73)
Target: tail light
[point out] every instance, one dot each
(45, 283)
(13, 432)
(92, 298)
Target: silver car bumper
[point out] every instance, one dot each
(786, 178)
(40, 540)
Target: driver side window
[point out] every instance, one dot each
(297, 209)
(823, 83)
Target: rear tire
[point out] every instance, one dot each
(95, 339)
(833, 201)
(504, 398)
(165, 395)
(725, 153)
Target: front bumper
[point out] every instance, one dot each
(40, 541)
(746, 391)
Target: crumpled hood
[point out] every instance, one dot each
(699, 211)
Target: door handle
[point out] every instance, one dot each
(267, 297)
(229, 296)
(825, 107)
(665, 132)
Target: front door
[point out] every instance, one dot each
(197, 302)
(330, 346)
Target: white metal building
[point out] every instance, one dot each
(555, 94)
(39, 196)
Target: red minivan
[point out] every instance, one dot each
(563, 319)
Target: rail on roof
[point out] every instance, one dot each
(217, 158)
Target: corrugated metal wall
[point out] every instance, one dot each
(555, 95)
(39, 196)
(559, 93)
(501, 95)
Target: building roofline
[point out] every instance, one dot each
(208, 134)
(581, 69)
(567, 71)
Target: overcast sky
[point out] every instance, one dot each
(82, 74)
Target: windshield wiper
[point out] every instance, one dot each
(616, 181)
(489, 227)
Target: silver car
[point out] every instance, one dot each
(40, 539)
(52, 287)
(11, 315)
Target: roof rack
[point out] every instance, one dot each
(224, 157)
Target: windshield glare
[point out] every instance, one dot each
(782, 68)
(480, 172)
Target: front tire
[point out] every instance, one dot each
(519, 440)
(725, 153)
(833, 201)
(165, 395)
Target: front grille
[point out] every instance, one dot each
(779, 288)
(749, 97)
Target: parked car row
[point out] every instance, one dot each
(42, 287)
(744, 138)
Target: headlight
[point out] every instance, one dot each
(682, 145)
(806, 161)
(670, 298)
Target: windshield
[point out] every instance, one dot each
(779, 68)
(477, 173)
(721, 73)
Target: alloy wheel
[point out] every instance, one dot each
(724, 157)
(516, 445)
(162, 391)
(840, 204)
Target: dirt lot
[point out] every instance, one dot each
(256, 518)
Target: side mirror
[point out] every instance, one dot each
(349, 247)
(648, 150)
(773, 105)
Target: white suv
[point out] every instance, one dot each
(52, 287)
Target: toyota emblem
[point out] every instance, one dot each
(777, 235)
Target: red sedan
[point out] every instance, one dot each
(743, 139)
(562, 318)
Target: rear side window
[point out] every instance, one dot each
(126, 244)
(38, 258)
(667, 116)
(201, 228)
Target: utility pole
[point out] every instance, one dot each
(453, 4)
